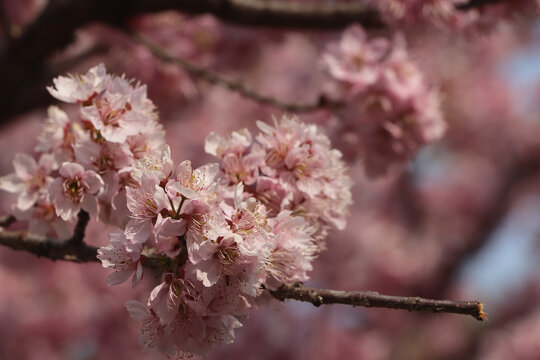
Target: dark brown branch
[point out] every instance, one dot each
(4, 22)
(6, 220)
(73, 249)
(281, 14)
(477, 3)
(235, 86)
(80, 228)
(319, 297)
(53, 249)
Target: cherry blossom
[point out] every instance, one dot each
(219, 238)
(144, 202)
(76, 188)
(125, 263)
(30, 180)
(42, 219)
(386, 120)
(80, 88)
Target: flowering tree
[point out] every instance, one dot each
(370, 167)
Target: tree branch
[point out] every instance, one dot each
(319, 297)
(477, 3)
(53, 249)
(235, 86)
(73, 249)
(5, 24)
(23, 67)
(6, 220)
(76, 250)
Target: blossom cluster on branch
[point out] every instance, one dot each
(223, 241)
(391, 109)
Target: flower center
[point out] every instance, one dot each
(74, 189)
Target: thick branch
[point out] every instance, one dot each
(53, 249)
(6, 220)
(73, 249)
(235, 86)
(372, 299)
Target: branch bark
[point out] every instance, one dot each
(369, 299)
(76, 250)
(235, 86)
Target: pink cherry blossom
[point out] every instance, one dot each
(80, 88)
(153, 335)
(144, 202)
(42, 219)
(167, 232)
(57, 135)
(355, 60)
(199, 183)
(30, 180)
(175, 297)
(159, 164)
(386, 121)
(125, 263)
(113, 114)
(76, 188)
(293, 250)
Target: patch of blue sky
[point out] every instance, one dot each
(510, 259)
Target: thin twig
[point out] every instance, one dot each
(236, 86)
(319, 297)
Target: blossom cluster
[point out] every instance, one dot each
(417, 11)
(289, 166)
(391, 110)
(219, 238)
(85, 159)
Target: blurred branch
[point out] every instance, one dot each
(23, 67)
(372, 299)
(6, 220)
(4, 22)
(477, 3)
(235, 86)
(512, 178)
(76, 250)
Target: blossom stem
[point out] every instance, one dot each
(172, 206)
(177, 216)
